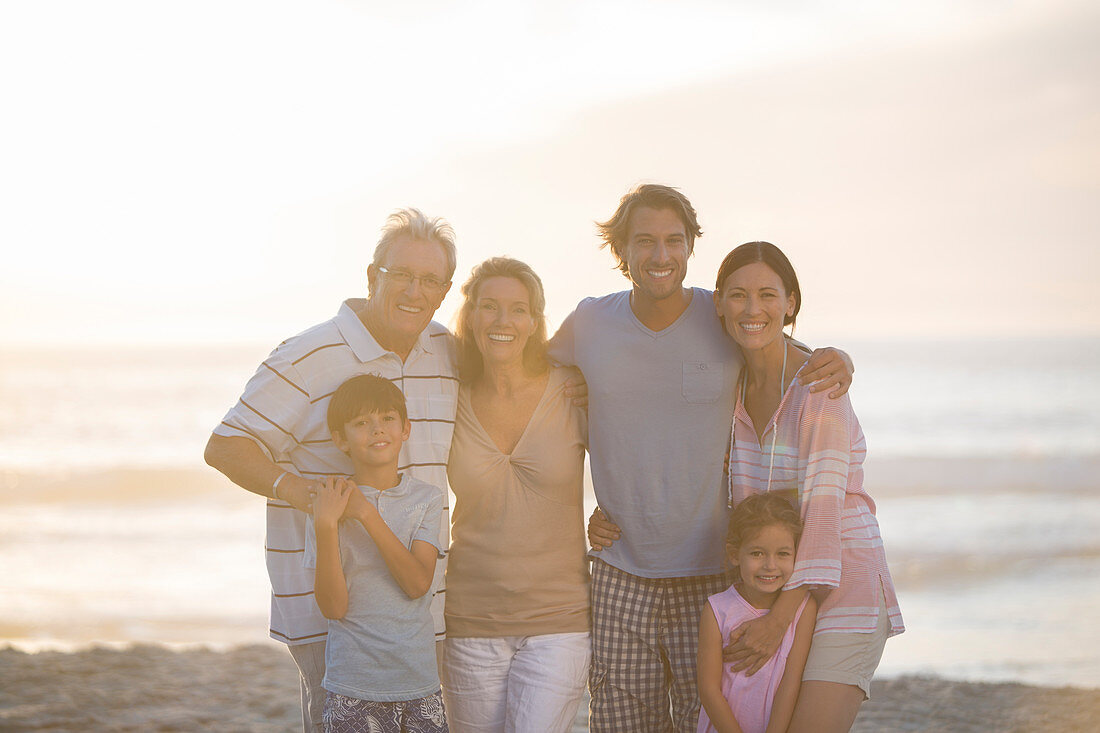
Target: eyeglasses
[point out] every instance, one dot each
(430, 283)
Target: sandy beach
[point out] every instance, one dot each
(254, 688)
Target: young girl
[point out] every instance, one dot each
(761, 541)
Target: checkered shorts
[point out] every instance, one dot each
(350, 715)
(645, 634)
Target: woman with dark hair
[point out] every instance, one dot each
(809, 449)
(517, 650)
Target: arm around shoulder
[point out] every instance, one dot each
(244, 463)
(254, 439)
(828, 368)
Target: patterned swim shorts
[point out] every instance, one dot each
(351, 715)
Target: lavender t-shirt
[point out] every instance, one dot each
(383, 649)
(660, 405)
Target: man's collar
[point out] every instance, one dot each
(359, 337)
(425, 339)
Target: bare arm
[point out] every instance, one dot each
(602, 532)
(756, 641)
(412, 569)
(245, 464)
(828, 368)
(787, 693)
(709, 674)
(330, 587)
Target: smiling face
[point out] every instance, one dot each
(398, 312)
(373, 439)
(753, 304)
(657, 251)
(502, 321)
(765, 560)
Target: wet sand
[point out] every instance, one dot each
(255, 688)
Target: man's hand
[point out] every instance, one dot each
(576, 389)
(299, 492)
(828, 368)
(243, 462)
(601, 531)
(752, 644)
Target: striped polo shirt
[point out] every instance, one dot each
(283, 409)
(818, 456)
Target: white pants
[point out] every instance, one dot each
(515, 684)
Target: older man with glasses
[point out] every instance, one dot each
(275, 442)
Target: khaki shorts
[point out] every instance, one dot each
(849, 658)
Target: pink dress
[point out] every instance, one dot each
(750, 698)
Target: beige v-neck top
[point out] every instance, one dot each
(517, 564)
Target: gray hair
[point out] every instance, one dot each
(413, 224)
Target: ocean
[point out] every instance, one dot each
(984, 459)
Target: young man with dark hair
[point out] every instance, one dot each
(661, 373)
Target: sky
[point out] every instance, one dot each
(217, 172)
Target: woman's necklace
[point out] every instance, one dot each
(775, 428)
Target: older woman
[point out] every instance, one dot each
(517, 652)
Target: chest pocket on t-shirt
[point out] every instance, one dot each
(702, 381)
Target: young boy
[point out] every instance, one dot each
(373, 553)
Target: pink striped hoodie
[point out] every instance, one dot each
(818, 457)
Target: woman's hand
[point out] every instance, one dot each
(601, 531)
(827, 368)
(752, 644)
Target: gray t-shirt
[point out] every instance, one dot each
(660, 406)
(384, 648)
